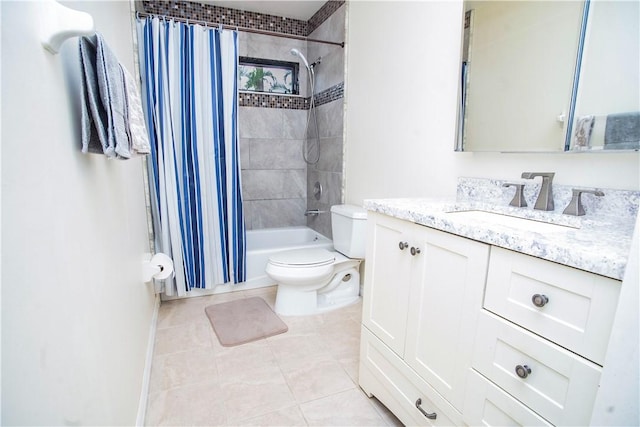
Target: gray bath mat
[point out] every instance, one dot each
(244, 320)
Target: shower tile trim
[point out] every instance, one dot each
(323, 14)
(264, 100)
(241, 18)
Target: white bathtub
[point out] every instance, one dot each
(261, 244)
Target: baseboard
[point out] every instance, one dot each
(146, 375)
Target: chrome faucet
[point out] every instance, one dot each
(545, 196)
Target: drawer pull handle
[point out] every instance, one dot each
(523, 371)
(403, 245)
(539, 300)
(415, 251)
(423, 412)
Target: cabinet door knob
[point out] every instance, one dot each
(539, 300)
(403, 245)
(431, 416)
(415, 251)
(523, 371)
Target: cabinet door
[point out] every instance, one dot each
(386, 281)
(446, 296)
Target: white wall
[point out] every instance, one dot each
(401, 130)
(75, 313)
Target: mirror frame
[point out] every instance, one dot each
(576, 76)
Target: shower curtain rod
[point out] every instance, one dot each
(243, 29)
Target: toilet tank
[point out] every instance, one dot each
(348, 225)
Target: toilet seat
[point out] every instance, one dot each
(302, 258)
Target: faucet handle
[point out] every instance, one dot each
(518, 198)
(575, 205)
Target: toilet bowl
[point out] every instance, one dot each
(312, 281)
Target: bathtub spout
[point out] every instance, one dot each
(313, 212)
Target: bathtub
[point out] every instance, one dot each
(261, 244)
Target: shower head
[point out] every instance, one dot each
(296, 52)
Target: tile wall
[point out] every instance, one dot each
(329, 87)
(277, 184)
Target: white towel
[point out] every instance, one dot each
(582, 136)
(134, 118)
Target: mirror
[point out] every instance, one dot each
(519, 59)
(607, 109)
(552, 76)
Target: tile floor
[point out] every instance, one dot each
(306, 376)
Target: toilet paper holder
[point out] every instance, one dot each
(158, 266)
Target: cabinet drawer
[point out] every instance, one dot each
(561, 387)
(488, 405)
(384, 375)
(580, 308)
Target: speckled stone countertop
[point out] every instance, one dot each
(600, 244)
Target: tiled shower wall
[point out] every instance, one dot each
(329, 79)
(274, 179)
(277, 184)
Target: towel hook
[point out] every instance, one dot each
(58, 23)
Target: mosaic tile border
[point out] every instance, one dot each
(242, 18)
(332, 94)
(323, 14)
(227, 16)
(264, 100)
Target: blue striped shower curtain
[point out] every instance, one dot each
(189, 75)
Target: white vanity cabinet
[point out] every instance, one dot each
(423, 290)
(477, 334)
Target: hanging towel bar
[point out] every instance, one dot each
(60, 23)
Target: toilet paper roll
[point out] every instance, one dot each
(165, 263)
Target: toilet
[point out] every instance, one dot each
(312, 281)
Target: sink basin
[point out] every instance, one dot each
(512, 221)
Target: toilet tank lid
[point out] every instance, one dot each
(350, 211)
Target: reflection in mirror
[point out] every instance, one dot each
(519, 73)
(607, 112)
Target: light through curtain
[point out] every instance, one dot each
(189, 75)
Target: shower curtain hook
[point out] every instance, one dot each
(220, 26)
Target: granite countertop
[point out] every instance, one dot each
(599, 245)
